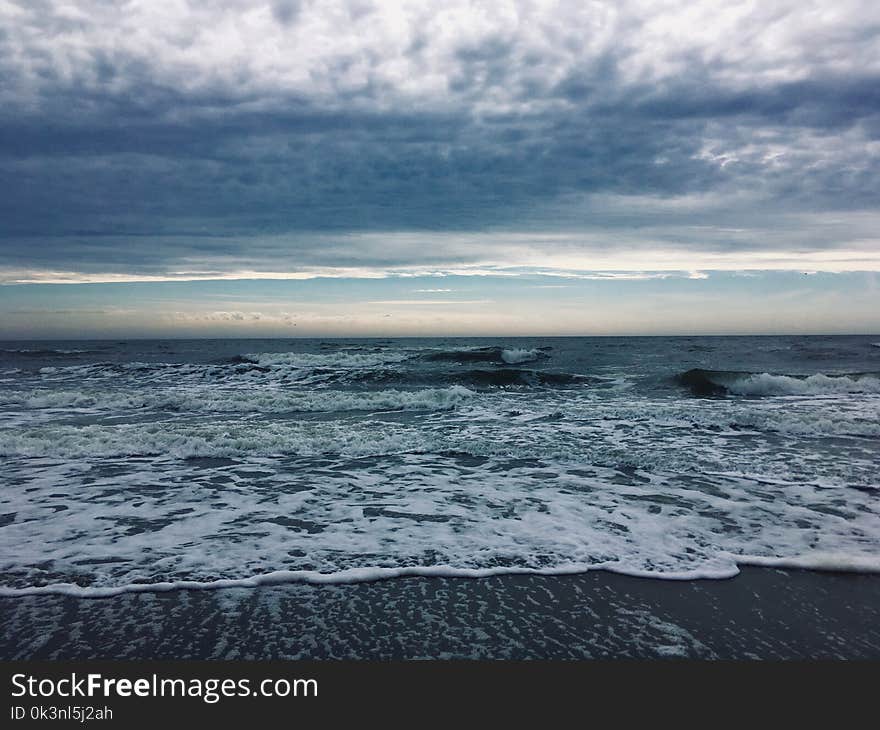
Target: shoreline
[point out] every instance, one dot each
(762, 613)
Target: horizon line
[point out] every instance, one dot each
(442, 337)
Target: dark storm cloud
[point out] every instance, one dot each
(286, 11)
(119, 152)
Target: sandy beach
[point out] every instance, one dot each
(760, 614)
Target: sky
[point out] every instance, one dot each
(244, 167)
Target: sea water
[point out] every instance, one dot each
(151, 465)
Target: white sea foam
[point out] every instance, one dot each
(167, 525)
(241, 400)
(819, 384)
(224, 440)
(343, 577)
(516, 356)
(720, 435)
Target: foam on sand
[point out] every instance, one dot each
(820, 562)
(342, 577)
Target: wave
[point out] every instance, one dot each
(729, 382)
(515, 356)
(343, 577)
(276, 366)
(477, 378)
(473, 354)
(818, 561)
(245, 401)
(491, 354)
(220, 440)
(335, 360)
(354, 370)
(28, 352)
(518, 377)
(430, 503)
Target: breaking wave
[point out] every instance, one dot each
(516, 356)
(498, 355)
(725, 382)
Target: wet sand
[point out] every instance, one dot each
(760, 614)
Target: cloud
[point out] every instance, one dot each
(768, 302)
(172, 139)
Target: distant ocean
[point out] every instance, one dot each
(133, 465)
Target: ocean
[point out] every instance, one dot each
(148, 466)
